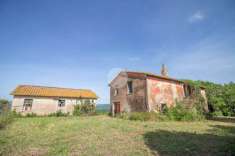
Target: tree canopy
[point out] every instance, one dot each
(221, 97)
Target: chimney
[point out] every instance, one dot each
(164, 71)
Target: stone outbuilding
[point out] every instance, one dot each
(43, 100)
(143, 92)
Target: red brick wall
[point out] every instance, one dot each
(128, 102)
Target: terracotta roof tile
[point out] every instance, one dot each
(43, 91)
(146, 74)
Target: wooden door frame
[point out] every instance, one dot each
(115, 107)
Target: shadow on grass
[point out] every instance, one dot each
(223, 119)
(169, 143)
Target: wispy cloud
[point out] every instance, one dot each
(196, 17)
(211, 59)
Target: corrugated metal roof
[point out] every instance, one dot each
(43, 91)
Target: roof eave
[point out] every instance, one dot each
(55, 96)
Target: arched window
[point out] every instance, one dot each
(115, 92)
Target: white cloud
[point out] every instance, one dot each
(196, 17)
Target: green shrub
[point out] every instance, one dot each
(31, 115)
(4, 105)
(5, 119)
(181, 113)
(220, 97)
(110, 114)
(77, 110)
(217, 113)
(84, 109)
(58, 113)
(177, 113)
(16, 114)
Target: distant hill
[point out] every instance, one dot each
(102, 107)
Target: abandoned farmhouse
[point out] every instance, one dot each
(139, 91)
(130, 91)
(45, 100)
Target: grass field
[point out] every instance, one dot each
(103, 135)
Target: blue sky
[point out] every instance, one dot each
(80, 44)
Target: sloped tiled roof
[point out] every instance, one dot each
(43, 91)
(146, 74)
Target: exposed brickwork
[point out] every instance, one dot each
(119, 84)
(137, 100)
(150, 92)
(128, 102)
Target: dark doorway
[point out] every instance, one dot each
(117, 107)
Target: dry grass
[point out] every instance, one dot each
(103, 135)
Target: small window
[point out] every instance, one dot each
(61, 103)
(163, 107)
(28, 104)
(115, 92)
(78, 101)
(129, 87)
(87, 101)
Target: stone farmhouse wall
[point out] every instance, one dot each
(137, 100)
(134, 102)
(119, 85)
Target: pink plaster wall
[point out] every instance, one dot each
(163, 92)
